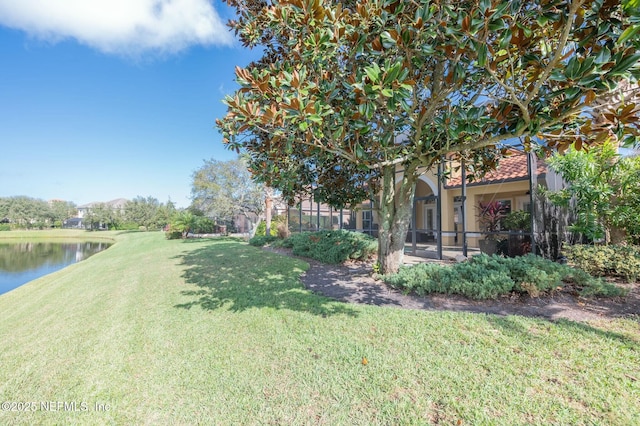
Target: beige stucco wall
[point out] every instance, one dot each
(515, 192)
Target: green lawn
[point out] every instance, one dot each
(218, 332)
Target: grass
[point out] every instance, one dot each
(216, 331)
(55, 235)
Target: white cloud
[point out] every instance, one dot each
(128, 27)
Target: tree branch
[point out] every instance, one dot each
(512, 94)
(575, 5)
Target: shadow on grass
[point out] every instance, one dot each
(216, 238)
(511, 325)
(237, 277)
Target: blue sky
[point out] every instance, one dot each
(117, 100)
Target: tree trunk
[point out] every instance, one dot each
(267, 212)
(253, 226)
(395, 211)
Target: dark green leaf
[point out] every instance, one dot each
(458, 72)
(496, 25)
(572, 92)
(506, 39)
(603, 56)
(373, 72)
(392, 73)
(572, 69)
(587, 66)
(482, 54)
(589, 79)
(623, 65)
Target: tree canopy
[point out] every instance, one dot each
(146, 212)
(348, 93)
(225, 189)
(27, 212)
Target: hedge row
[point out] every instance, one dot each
(621, 261)
(325, 246)
(487, 277)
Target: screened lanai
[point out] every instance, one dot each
(449, 213)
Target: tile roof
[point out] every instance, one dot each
(511, 168)
(118, 203)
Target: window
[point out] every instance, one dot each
(429, 218)
(367, 219)
(506, 209)
(524, 203)
(457, 214)
(506, 206)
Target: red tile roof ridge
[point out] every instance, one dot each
(510, 168)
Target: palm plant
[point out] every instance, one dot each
(184, 222)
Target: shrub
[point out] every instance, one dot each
(535, 273)
(332, 246)
(262, 240)
(519, 220)
(173, 235)
(5, 227)
(602, 288)
(203, 225)
(276, 222)
(283, 231)
(482, 277)
(611, 261)
(487, 277)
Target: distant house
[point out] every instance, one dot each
(117, 204)
(85, 210)
(73, 222)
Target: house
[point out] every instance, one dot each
(510, 184)
(85, 210)
(117, 204)
(73, 222)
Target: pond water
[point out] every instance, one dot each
(24, 262)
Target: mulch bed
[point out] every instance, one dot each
(354, 283)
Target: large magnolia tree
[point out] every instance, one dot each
(354, 100)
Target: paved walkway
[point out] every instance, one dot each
(430, 251)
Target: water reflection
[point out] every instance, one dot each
(24, 262)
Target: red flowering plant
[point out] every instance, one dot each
(490, 217)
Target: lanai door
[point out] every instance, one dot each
(429, 220)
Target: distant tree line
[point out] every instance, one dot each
(223, 192)
(22, 212)
(33, 213)
(144, 213)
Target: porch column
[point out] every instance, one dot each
(532, 213)
(439, 211)
(413, 228)
(463, 210)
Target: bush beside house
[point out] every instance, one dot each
(487, 277)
